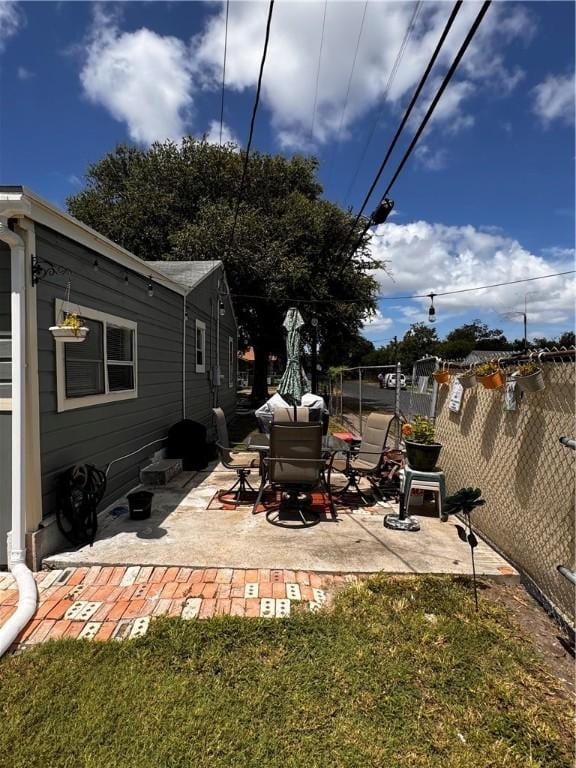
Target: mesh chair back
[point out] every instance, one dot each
(374, 438)
(222, 432)
(295, 454)
(286, 415)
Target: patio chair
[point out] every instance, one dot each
(286, 415)
(369, 457)
(295, 466)
(241, 465)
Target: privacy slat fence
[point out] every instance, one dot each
(515, 457)
(526, 475)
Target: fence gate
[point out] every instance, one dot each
(420, 397)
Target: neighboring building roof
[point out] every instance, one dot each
(186, 273)
(484, 355)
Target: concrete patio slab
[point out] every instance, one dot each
(183, 532)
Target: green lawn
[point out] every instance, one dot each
(401, 673)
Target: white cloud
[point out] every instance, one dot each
(554, 99)
(428, 257)
(377, 323)
(11, 19)
(141, 78)
(213, 133)
(24, 74)
(290, 74)
(429, 159)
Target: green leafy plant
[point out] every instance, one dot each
(527, 369)
(464, 502)
(419, 430)
(71, 320)
(487, 369)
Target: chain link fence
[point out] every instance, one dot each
(526, 475)
(357, 392)
(354, 393)
(419, 398)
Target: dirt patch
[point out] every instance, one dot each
(549, 639)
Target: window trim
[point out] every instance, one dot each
(200, 325)
(65, 403)
(230, 362)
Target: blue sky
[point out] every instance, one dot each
(488, 196)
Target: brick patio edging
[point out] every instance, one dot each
(107, 602)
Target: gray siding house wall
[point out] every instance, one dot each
(201, 394)
(99, 434)
(81, 404)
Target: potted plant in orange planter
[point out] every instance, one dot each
(529, 377)
(490, 375)
(441, 376)
(422, 451)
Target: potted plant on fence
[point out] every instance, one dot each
(490, 375)
(422, 451)
(529, 377)
(468, 379)
(69, 329)
(442, 375)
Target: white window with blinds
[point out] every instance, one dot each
(101, 369)
(200, 347)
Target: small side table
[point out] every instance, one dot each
(411, 479)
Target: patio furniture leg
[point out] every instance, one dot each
(260, 492)
(242, 486)
(352, 484)
(326, 484)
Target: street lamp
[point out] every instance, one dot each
(523, 315)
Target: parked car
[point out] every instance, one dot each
(390, 381)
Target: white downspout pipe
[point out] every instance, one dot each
(184, 321)
(28, 593)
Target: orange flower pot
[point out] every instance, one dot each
(492, 381)
(442, 377)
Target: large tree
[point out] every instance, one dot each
(179, 202)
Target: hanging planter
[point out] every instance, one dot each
(490, 375)
(442, 376)
(468, 380)
(70, 329)
(529, 378)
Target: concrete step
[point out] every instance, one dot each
(160, 472)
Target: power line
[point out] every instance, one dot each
(252, 121)
(400, 128)
(318, 69)
(350, 77)
(391, 79)
(436, 99)
(447, 78)
(224, 70)
(404, 298)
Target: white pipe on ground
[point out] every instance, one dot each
(27, 598)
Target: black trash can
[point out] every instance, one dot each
(140, 504)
